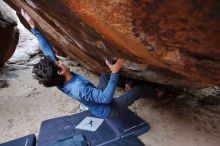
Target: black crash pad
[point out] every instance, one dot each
(127, 123)
(29, 140)
(127, 141)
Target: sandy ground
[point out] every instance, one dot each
(24, 104)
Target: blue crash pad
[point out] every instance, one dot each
(29, 140)
(127, 141)
(127, 123)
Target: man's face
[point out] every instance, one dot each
(63, 69)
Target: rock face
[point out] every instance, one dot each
(163, 41)
(8, 33)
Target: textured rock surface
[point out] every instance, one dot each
(8, 33)
(27, 46)
(164, 41)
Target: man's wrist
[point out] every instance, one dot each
(31, 23)
(114, 75)
(32, 26)
(114, 72)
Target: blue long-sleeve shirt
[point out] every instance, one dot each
(79, 88)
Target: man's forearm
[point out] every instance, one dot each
(109, 91)
(44, 45)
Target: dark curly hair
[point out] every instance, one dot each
(46, 73)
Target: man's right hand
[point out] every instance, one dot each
(27, 18)
(115, 67)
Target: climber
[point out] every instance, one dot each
(51, 72)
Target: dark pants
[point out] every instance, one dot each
(123, 101)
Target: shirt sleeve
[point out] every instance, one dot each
(105, 96)
(44, 45)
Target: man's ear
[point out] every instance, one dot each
(60, 72)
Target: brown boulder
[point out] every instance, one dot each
(163, 41)
(8, 33)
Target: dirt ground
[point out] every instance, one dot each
(175, 121)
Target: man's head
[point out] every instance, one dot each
(50, 73)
